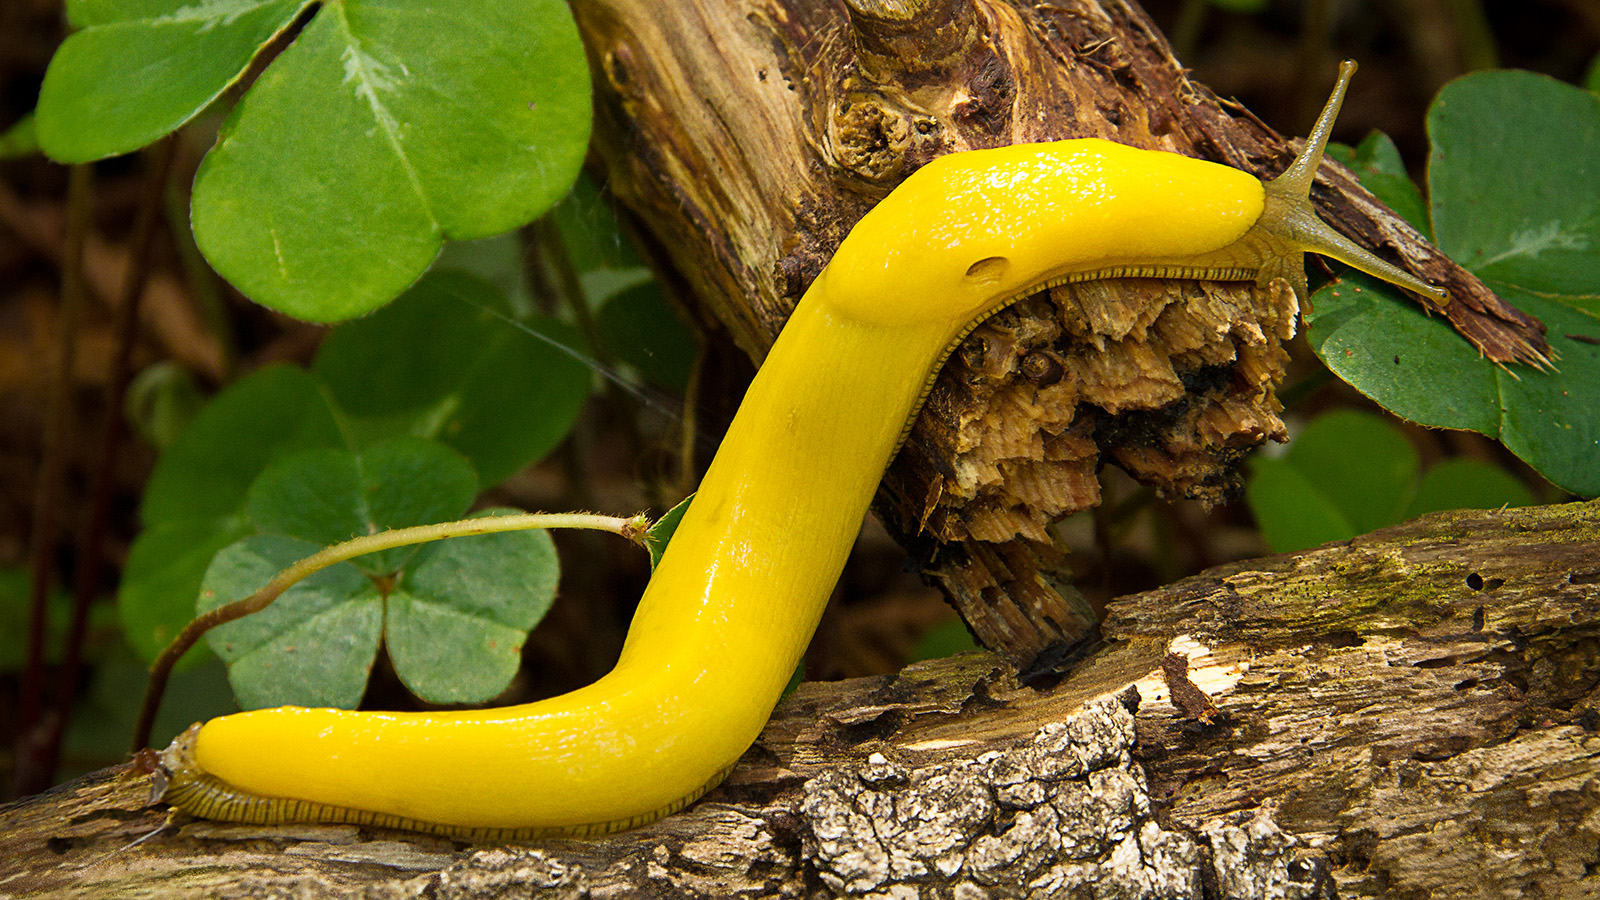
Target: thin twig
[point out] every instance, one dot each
(91, 546)
(633, 528)
(29, 777)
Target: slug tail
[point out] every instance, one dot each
(1290, 218)
(182, 783)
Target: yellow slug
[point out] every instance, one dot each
(736, 597)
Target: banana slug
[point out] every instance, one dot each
(739, 592)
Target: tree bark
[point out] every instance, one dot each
(748, 137)
(1411, 714)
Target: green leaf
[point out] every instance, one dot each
(660, 532)
(453, 613)
(1347, 473)
(600, 285)
(1552, 419)
(445, 362)
(162, 577)
(194, 502)
(89, 13)
(461, 612)
(330, 496)
(15, 613)
(944, 640)
(1292, 511)
(1351, 472)
(382, 129)
(21, 139)
(261, 417)
(795, 678)
(1363, 463)
(640, 328)
(314, 646)
(1414, 364)
(499, 261)
(414, 482)
(1515, 179)
(140, 70)
(105, 716)
(587, 222)
(1516, 204)
(1591, 81)
(1467, 484)
(1547, 418)
(314, 495)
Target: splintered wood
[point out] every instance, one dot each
(1172, 380)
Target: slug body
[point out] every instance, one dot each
(734, 602)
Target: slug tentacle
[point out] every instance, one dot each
(1290, 221)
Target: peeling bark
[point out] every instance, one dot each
(1063, 814)
(1412, 714)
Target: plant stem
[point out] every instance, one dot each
(91, 553)
(633, 528)
(29, 776)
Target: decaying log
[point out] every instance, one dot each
(748, 137)
(1412, 714)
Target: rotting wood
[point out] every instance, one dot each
(1411, 714)
(747, 152)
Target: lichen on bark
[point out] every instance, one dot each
(1065, 813)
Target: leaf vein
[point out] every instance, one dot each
(372, 76)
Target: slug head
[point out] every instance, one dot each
(971, 231)
(1289, 226)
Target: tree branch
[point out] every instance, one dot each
(1393, 714)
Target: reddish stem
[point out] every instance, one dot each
(91, 555)
(30, 775)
